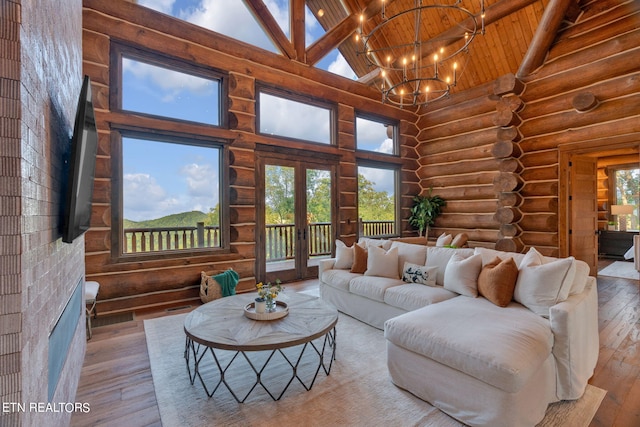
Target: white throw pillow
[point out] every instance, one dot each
(461, 274)
(541, 286)
(415, 273)
(439, 257)
(344, 256)
(408, 252)
(444, 239)
(382, 263)
(533, 257)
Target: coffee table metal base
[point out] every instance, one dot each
(194, 354)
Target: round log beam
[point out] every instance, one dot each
(510, 245)
(504, 149)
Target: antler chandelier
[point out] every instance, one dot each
(420, 65)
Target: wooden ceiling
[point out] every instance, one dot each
(510, 26)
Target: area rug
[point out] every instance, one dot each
(622, 269)
(358, 391)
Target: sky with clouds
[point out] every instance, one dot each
(160, 178)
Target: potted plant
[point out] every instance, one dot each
(425, 210)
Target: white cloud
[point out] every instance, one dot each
(145, 199)
(172, 82)
(386, 146)
(202, 182)
(341, 67)
(279, 116)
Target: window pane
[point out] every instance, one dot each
(171, 199)
(377, 201)
(627, 193)
(163, 92)
(374, 136)
(292, 119)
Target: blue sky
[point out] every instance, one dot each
(159, 179)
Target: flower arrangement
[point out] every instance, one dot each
(269, 292)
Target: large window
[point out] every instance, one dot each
(625, 191)
(377, 204)
(375, 135)
(170, 93)
(290, 118)
(171, 199)
(169, 192)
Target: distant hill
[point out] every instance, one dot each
(184, 219)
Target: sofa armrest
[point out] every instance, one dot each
(574, 324)
(324, 265)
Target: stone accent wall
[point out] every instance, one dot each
(40, 79)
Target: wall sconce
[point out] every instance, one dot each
(621, 211)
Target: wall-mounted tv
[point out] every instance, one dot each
(82, 167)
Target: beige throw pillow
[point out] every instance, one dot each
(382, 263)
(497, 281)
(344, 256)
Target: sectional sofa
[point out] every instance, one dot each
(489, 337)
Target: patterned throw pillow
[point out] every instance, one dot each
(415, 273)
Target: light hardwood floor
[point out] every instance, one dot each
(116, 377)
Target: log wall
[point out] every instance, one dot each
(127, 285)
(587, 93)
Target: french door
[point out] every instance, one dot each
(296, 216)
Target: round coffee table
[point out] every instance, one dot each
(218, 334)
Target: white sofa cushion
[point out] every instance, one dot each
(344, 255)
(502, 347)
(439, 257)
(415, 273)
(407, 252)
(540, 286)
(461, 274)
(339, 279)
(382, 263)
(372, 287)
(412, 296)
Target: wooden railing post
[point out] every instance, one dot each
(200, 234)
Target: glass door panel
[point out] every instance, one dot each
(280, 217)
(318, 216)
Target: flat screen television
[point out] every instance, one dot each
(82, 168)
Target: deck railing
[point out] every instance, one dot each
(280, 238)
(171, 238)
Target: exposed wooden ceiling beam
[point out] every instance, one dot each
(544, 36)
(370, 77)
(271, 27)
(298, 28)
(334, 37)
